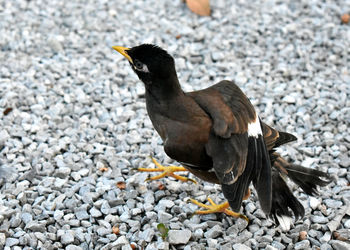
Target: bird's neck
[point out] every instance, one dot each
(163, 101)
(164, 90)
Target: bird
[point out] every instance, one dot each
(218, 136)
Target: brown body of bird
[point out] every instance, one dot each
(218, 136)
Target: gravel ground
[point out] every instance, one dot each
(73, 120)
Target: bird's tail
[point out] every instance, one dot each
(283, 200)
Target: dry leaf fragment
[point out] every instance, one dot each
(115, 230)
(103, 169)
(345, 18)
(302, 235)
(161, 186)
(121, 185)
(133, 246)
(342, 234)
(7, 111)
(200, 7)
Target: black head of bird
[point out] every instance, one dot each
(153, 65)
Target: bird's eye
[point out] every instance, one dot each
(138, 64)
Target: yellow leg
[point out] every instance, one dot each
(217, 208)
(166, 171)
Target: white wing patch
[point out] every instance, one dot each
(254, 128)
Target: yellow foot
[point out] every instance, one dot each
(167, 171)
(217, 208)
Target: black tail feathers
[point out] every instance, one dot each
(283, 200)
(283, 138)
(306, 178)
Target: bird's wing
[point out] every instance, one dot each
(274, 138)
(236, 144)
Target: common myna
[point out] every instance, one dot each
(217, 135)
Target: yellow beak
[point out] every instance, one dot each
(123, 51)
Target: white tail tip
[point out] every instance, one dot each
(285, 222)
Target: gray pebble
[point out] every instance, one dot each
(125, 216)
(347, 224)
(340, 245)
(239, 246)
(40, 236)
(36, 226)
(58, 214)
(85, 223)
(55, 45)
(217, 56)
(266, 238)
(26, 218)
(126, 247)
(278, 245)
(304, 244)
(213, 232)
(95, 213)
(163, 245)
(179, 236)
(15, 221)
(147, 235)
(151, 215)
(314, 242)
(268, 247)
(121, 241)
(212, 243)
(241, 224)
(326, 246)
(243, 236)
(148, 206)
(319, 219)
(326, 237)
(227, 246)
(250, 207)
(74, 223)
(63, 172)
(164, 217)
(67, 238)
(2, 239)
(105, 208)
(333, 203)
(136, 211)
(81, 213)
(10, 242)
(166, 203)
(159, 194)
(198, 234)
(286, 239)
(195, 226)
(73, 247)
(102, 231)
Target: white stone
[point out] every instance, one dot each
(179, 236)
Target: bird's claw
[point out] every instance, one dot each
(217, 208)
(166, 171)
